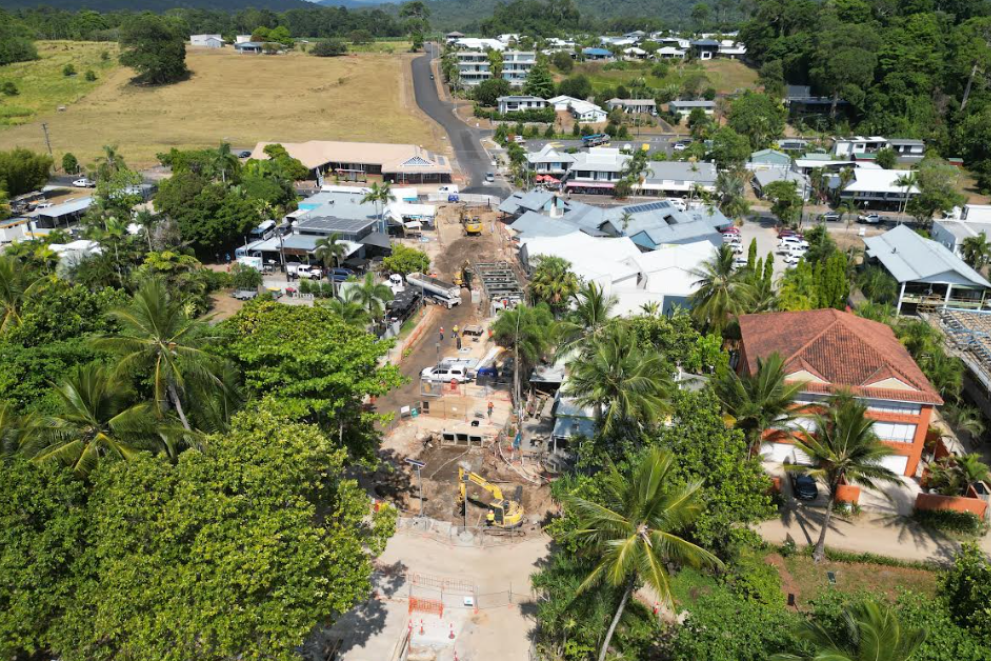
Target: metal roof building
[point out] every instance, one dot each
(928, 273)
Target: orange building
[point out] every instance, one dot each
(830, 350)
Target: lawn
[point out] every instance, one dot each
(726, 76)
(805, 579)
(42, 85)
(242, 99)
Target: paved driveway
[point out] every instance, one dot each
(468, 151)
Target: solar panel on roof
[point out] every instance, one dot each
(649, 206)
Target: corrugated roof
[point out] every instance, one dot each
(842, 349)
(912, 258)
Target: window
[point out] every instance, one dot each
(896, 432)
(885, 406)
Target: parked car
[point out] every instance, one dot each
(733, 229)
(431, 76)
(804, 487)
(84, 182)
(339, 275)
(787, 241)
(490, 177)
(682, 145)
(305, 271)
(739, 261)
(792, 259)
(831, 217)
(732, 238)
(519, 139)
(43, 205)
(783, 232)
(446, 373)
(244, 154)
(869, 219)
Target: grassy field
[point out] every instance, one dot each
(726, 76)
(242, 99)
(42, 85)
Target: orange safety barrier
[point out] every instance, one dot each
(433, 606)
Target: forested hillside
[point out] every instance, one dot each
(156, 5)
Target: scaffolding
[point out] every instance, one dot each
(500, 282)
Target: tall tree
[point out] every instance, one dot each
(380, 196)
(329, 251)
(539, 81)
(529, 333)
(373, 296)
(17, 284)
(760, 401)
(553, 282)
(633, 531)
(590, 315)
(155, 47)
(160, 340)
(627, 386)
(722, 291)
(843, 448)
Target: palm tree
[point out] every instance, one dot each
(110, 163)
(157, 335)
(372, 296)
(845, 177)
(553, 282)
(976, 251)
(380, 196)
(147, 221)
(624, 384)
(962, 418)
(633, 532)
(351, 312)
(846, 208)
(225, 160)
(586, 320)
(13, 428)
(721, 291)
(17, 284)
(757, 402)
(94, 420)
(871, 632)
(528, 332)
(843, 447)
(906, 182)
(329, 250)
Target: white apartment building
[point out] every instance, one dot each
(516, 66)
(473, 67)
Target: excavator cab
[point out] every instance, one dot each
(503, 512)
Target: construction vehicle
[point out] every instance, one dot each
(503, 513)
(446, 293)
(472, 224)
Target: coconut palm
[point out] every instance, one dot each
(843, 447)
(624, 384)
(380, 196)
(329, 250)
(94, 420)
(633, 530)
(589, 316)
(944, 372)
(13, 428)
(871, 632)
(348, 309)
(553, 282)
(17, 283)
(976, 251)
(158, 336)
(225, 160)
(722, 292)
(372, 296)
(963, 418)
(757, 402)
(528, 331)
(906, 182)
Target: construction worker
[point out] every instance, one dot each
(441, 333)
(455, 330)
(491, 406)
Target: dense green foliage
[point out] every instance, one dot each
(15, 45)
(155, 47)
(23, 171)
(405, 260)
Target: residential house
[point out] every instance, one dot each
(670, 53)
(550, 161)
(732, 49)
(875, 187)
(249, 48)
(516, 66)
(366, 161)
(794, 145)
(680, 178)
(634, 53)
(14, 229)
(481, 45)
(536, 200)
(72, 253)
(829, 352)
(621, 42)
(769, 159)
(473, 67)
(685, 108)
(61, 215)
(641, 106)
(242, 38)
(452, 37)
(849, 147)
(929, 275)
(766, 176)
(705, 49)
(597, 54)
(962, 224)
(801, 101)
(511, 104)
(207, 40)
(587, 112)
(908, 150)
(562, 103)
(596, 170)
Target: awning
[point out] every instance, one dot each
(588, 184)
(377, 239)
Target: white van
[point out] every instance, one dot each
(794, 250)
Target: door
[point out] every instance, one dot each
(897, 464)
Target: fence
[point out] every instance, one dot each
(456, 535)
(470, 198)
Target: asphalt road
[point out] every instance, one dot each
(471, 157)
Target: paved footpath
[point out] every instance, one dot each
(892, 536)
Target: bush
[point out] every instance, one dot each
(549, 132)
(10, 88)
(330, 48)
(245, 277)
(360, 37)
(104, 56)
(709, 94)
(563, 61)
(753, 579)
(545, 116)
(68, 70)
(660, 70)
(90, 76)
(70, 163)
(967, 590)
(949, 521)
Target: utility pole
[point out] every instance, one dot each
(418, 465)
(44, 127)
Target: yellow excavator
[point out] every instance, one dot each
(503, 512)
(472, 224)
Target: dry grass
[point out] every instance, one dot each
(726, 76)
(242, 99)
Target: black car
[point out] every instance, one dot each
(244, 154)
(804, 487)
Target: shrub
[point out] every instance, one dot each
(709, 94)
(966, 587)
(949, 521)
(245, 277)
(104, 56)
(90, 76)
(330, 48)
(68, 70)
(10, 88)
(753, 579)
(70, 163)
(549, 132)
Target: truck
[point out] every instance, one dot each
(443, 292)
(595, 140)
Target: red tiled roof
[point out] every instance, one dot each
(843, 349)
